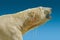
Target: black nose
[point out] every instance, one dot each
(48, 16)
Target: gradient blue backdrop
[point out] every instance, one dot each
(48, 31)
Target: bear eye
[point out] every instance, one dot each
(31, 14)
(46, 12)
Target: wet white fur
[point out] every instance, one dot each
(11, 24)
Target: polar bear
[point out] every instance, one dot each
(13, 26)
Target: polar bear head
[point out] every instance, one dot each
(36, 16)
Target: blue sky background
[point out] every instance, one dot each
(48, 31)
